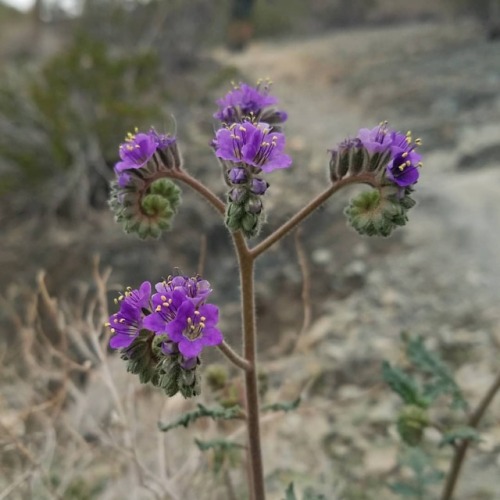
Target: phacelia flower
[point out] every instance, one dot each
(247, 101)
(171, 294)
(143, 198)
(252, 144)
(382, 151)
(403, 160)
(161, 336)
(403, 168)
(137, 150)
(195, 328)
(126, 324)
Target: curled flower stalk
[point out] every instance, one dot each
(390, 159)
(142, 199)
(162, 335)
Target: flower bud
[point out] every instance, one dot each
(259, 186)
(247, 218)
(145, 211)
(412, 422)
(238, 195)
(237, 175)
(350, 156)
(379, 211)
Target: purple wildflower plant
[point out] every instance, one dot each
(195, 328)
(126, 324)
(246, 101)
(255, 145)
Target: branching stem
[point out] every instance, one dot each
(234, 357)
(246, 260)
(460, 451)
(308, 210)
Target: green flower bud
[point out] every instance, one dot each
(146, 214)
(379, 211)
(247, 217)
(412, 422)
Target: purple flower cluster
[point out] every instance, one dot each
(254, 145)
(177, 310)
(404, 161)
(247, 101)
(249, 149)
(137, 150)
(248, 144)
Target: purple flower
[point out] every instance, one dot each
(402, 167)
(194, 328)
(377, 139)
(171, 294)
(245, 99)
(259, 186)
(252, 144)
(137, 150)
(126, 324)
(237, 175)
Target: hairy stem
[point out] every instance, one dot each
(461, 450)
(197, 186)
(256, 472)
(234, 357)
(308, 210)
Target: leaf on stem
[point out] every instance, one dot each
(403, 385)
(284, 406)
(463, 433)
(218, 413)
(442, 381)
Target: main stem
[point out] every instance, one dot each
(246, 258)
(246, 261)
(461, 450)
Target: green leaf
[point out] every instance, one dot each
(219, 413)
(218, 444)
(460, 433)
(403, 385)
(224, 451)
(290, 493)
(286, 407)
(405, 489)
(430, 363)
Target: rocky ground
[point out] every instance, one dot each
(437, 277)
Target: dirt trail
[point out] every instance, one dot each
(438, 276)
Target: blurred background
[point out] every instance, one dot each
(77, 75)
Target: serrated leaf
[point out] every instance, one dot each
(403, 385)
(284, 406)
(218, 413)
(430, 363)
(218, 444)
(460, 433)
